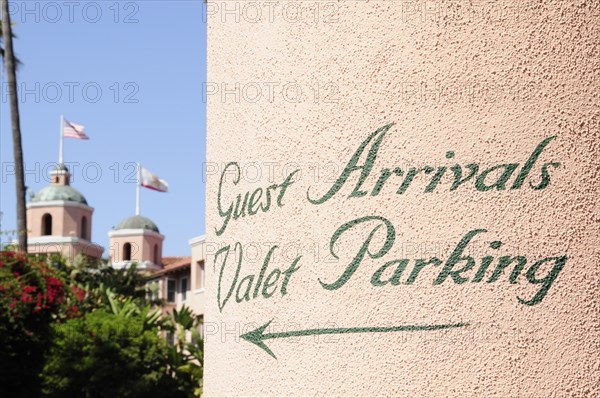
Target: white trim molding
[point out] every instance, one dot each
(141, 265)
(59, 203)
(197, 240)
(62, 240)
(134, 232)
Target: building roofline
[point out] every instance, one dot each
(196, 240)
(178, 268)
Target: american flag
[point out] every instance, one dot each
(72, 130)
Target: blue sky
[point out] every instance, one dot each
(132, 73)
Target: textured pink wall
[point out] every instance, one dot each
(142, 247)
(66, 221)
(489, 82)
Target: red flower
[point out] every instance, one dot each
(54, 290)
(72, 311)
(29, 289)
(79, 293)
(26, 298)
(52, 281)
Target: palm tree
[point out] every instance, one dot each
(10, 64)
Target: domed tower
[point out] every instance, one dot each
(59, 220)
(136, 239)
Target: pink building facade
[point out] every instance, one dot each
(59, 220)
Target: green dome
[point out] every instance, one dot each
(59, 192)
(60, 167)
(137, 222)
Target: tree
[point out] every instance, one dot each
(117, 351)
(10, 63)
(104, 354)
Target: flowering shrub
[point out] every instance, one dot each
(31, 291)
(32, 296)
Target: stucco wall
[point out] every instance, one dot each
(142, 246)
(66, 221)
(198, 291)
(488, 81)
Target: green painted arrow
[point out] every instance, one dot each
(257, 336)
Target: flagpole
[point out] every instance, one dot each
(60, 147)
(137, 193)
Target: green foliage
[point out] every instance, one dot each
(187, 355)
(98, 275)
(108, 355)
(84, 330)
(127, 306)
(117, 351)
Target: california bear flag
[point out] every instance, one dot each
(151, 181)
